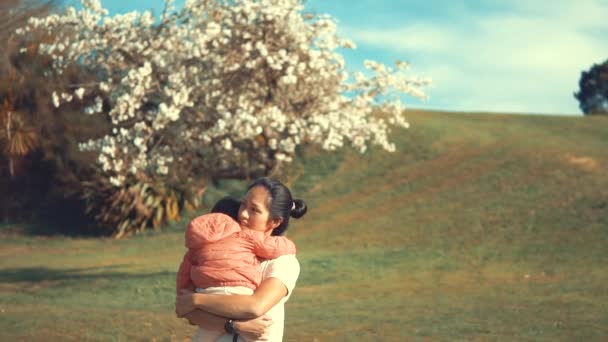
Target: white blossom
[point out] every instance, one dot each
(79, 93)
(227, 144)
(55, 99)
(220, 80)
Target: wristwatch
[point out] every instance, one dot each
(229, 327)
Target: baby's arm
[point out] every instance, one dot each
(183, 280)
(272, 247)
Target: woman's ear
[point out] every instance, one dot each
(275, 222)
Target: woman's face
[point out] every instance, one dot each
(254, 214)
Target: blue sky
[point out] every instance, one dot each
(512, 56)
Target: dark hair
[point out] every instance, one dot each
(281, 204)
(228, 206)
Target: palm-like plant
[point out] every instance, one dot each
(130, 209)
(18, 138)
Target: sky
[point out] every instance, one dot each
(510, 56)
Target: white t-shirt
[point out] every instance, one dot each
(285, 268)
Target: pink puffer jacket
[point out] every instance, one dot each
(220, 253)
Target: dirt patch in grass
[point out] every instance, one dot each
(583, 163)
(12, 250)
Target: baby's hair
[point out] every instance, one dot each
(228, 206)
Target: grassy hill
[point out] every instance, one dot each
(480, 227)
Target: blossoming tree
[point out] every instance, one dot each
(220, 88)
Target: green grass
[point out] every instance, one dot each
(483, 227)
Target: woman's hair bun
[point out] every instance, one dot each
(299, 208)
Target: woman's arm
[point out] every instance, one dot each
(268, 294)
(255, 329)
(206, 320)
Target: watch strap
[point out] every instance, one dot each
(229, 327)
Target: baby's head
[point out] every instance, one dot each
(228, 206)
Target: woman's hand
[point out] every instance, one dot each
(184, 303)
(255, 329)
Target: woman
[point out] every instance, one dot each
(267, 207)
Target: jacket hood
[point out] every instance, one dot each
(210, 228)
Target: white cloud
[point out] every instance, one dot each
(412, 37)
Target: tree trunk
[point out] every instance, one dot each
(11, 167)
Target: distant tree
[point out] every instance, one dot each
(17, 137)
(41, 167)
(593, 93)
